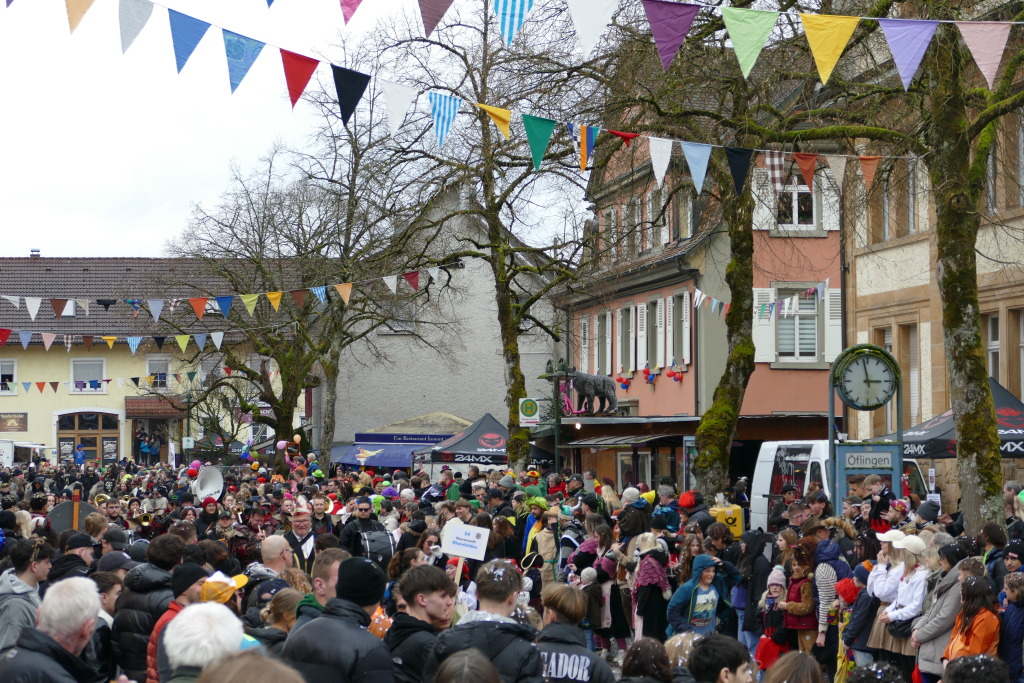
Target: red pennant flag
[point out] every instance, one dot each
(806, 161)
(299, 297)
(4, 334)
(87, 341)
(41, 386)
(199, 306)
(227, 371)
(628, 137)
(58, 306)
(413, 278)
(868, 166)
(298, 69)
(54, 385)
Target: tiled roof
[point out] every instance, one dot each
(153, 407)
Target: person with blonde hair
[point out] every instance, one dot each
(906, 605)
(679, 648)
(278, 620)
(562, 644)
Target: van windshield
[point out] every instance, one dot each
(790, 468)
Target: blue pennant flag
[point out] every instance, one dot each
(200, 340)
(186, 32)
(224, 303)
(321, 293)
(241, 51)
(26, 337)
(511, 15)
(133, 343)
(443, 109)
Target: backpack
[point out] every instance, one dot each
(379, 546)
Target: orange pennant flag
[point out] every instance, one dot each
(344, 291)
(110, 341)
(274, 298)
(868, 166)
(41, 386)
(199, 306)
(77, 10)
(806, 161)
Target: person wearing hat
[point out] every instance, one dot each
(76, 560)
(635, 516)
(829, 568)
(773, 641)
(933, 630)
(778, 519)
(313, 649)
(187, 580)
(113, 539)
(117, 562)
(301, 537)
(224, 589)
(905, 603)
(507, 485)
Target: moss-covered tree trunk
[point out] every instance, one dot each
(958, 181)
(508, 326)
(328, 420)
(717, 426)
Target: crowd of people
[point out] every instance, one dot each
(304, 575)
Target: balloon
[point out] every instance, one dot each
(297, 438)
(255, 466)
(195, 464)
(281, 445)
(619, 380)
(625, 386)
(671, 374)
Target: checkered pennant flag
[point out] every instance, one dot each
(775, 162)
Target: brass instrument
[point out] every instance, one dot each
(237, 511)
(102, 498)
(124, 502)
(145, 519)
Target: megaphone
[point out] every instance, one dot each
(210, 482)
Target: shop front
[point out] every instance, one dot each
(98, 432)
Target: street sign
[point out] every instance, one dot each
(884, 459)
(188, 443)
(867, 461)
(529, 412)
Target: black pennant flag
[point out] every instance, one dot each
(350, 85)
(739, 164)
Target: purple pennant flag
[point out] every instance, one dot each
(670, 22)
(908, 39)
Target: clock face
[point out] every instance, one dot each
(866, 382)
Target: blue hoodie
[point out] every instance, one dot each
(1011, 638)
(680, 607)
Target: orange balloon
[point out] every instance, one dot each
(297, 438)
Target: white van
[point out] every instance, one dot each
(800, 463)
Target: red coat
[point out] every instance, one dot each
(152, 672)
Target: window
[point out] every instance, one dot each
(8, 376)
(797, 326)
(911, 196)
(816, 477)
(626, 348)
(890, 416)
(87, 376)
(584, 354)
(655, 218)
(992, 345)
(158, 366)
(796, 206)
(610, 245)
(910, 361)
(210, 369)
(679, 215)
(631, 228)
(655, 331)
(603, 344)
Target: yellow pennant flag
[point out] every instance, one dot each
(182, 340)
(501, 117)
(77, 10)
(344, 291)
(827, 36)
(250, 301)
(274, 298)
(110, 341)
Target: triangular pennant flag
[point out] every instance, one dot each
(84, 303)
(186, 32)
(69, 341)
(199, 306)
(806, 162)
(136, 305)
(191, 375)
(76, 11)
(218, 339)
(837, 164)
(538, 135)
(241, 52)
(159, 341)
(775, 162)
(432, 11)
(4, 334)
(26, 385)
(41, 386)
(250, 301)
(827, 35)
(298, 69)
(299, 297)
(392, 282)
(413, 278)
(135, 380)
(344, 291)
(584, 138)
(398, 99)
(986, 40)
(511, 15)
(697, 157)
(156, 307)
(177, 378)
(749, 30)
(227, 371)
(320, 292)
(200, 340)
(48, 338)
(739, 164)
(348, 8)
(133, 343)
(443, 109)
(106, 303)
(182, 340)
(661, 154)
(868, 166)
(87, 341)
(25, 337)
(349, 86)
(274, 298)
(502, 118)
(591, 18)
(670, 22)
(628, 137)
(908, 39)
(16, 300)
(58, 306)
(32, 304)
(54, 385)
(132, 16)
(224, 304)
(110, 341)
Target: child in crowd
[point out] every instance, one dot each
(976, 629)
(592, 589)
(799, 601)
(1011, 633)
(862, 613)
(773, 641)
(847, 592)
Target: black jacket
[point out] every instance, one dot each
(272, 639)
(146, 595)
(65, 567)
(508, 645)
(862, 618)
(337, 647)
(351, 538)
(756, 577)
(566, 657)
(410, 641)
(37, 658)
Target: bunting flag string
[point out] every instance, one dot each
(350, 86)
(591, 17)
(538, 135)
(443, 109)
(241, 52)
(670, 22)
(398, 99)
(186, 33)
(511, 16)
(132, 17)
(431, 12)
(159, 380)
(502, 118)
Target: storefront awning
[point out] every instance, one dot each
(615, 442)
(153, 408)
(373, 449)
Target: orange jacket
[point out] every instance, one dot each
(981, 639)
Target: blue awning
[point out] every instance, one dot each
(380, 454)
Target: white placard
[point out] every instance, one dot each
(464, 540)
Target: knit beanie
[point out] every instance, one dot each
(777, 577)
(184, 575)
(361, 581)
(209, 500)
(630, 495)
(847, 590)
(861, 572)
(589, 575)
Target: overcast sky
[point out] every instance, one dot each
(103, 154)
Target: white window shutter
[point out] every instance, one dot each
(621, 357)
(585, 344)
(595, 329)
(641, 336)
(833, 324)
(684, 321)
(608, 343)
(670, 332)
(632, 340)
(764, 326)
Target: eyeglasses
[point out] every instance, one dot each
(362, 509)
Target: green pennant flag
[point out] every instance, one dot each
(538, 134)
(748, 30)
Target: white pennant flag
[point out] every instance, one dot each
(398, 98)
(785, 308)
(591, 18)
(156, 306)
(16, 300)
(434, 271)
(84, 303)
(132, 16)
(392, 282)
(661, 154)
(217, 338)
(32, 305)
(837, 164)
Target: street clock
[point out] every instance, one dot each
(865, 376)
